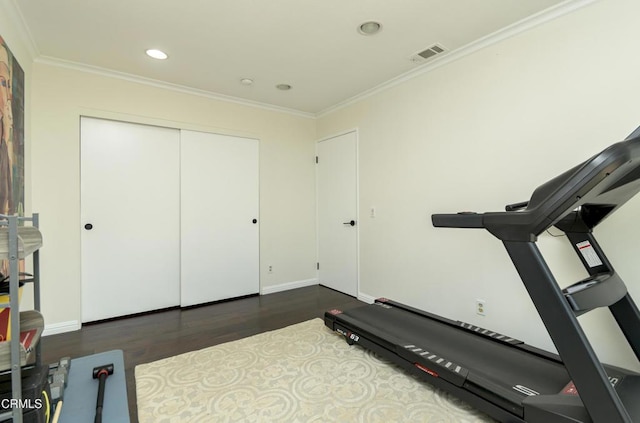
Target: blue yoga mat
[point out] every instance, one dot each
(80, 395)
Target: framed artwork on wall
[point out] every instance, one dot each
(12, 133)
(11, 136)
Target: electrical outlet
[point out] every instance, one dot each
(481, 307)
(270, 269)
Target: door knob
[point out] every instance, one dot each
(88, 226)
(351, 222)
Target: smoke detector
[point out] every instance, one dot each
(428, 53)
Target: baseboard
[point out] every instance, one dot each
(62, 327)
(287, 286)
(366, 298)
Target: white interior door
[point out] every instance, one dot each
(130, 217)
(338, 213)
(219, 217)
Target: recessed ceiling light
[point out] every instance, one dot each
(369, 28)
(246, 81)
(157, 54)
(283, 87)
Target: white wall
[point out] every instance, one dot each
(484, 131)
(61, 95)
(475, 134)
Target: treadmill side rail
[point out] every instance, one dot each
(433, 364)
(489, 334)
(555, 408)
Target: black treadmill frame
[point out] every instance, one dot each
(598, 395)
(575, 202)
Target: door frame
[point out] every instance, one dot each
(357, 200)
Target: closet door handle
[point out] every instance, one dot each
(351, 222)
(254, 221)
(88, 226)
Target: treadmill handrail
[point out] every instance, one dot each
(590, 186)
(458, 220)
(516, 206)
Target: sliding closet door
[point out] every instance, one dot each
(130, 218)
(219, 217)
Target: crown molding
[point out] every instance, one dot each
(519, 27)
(53, 61)
(9, 8)
(564, 8)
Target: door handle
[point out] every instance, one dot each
(88, 226)
(351, 222)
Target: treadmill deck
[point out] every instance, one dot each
(494, 367)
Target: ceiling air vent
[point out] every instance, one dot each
(428, 53)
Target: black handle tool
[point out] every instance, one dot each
(101, 373)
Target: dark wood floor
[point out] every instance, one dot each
(164, 334)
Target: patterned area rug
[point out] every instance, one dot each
(302, 373)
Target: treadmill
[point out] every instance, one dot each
(502, 376)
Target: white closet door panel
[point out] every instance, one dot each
(219, 202)
(130, 195)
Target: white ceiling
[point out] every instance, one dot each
(312, 45)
